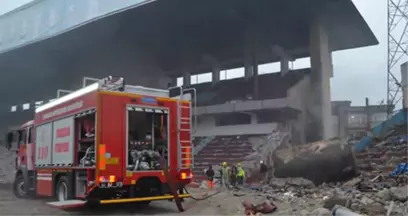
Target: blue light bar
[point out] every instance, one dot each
(149, 100)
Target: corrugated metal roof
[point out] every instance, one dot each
(41, 19)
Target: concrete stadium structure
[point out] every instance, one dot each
(48, 45)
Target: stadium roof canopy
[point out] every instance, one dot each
(46, 43)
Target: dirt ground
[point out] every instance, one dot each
(221, 204)
(217, 205)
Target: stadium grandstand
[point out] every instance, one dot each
(60, 42)
(232, 121)
(233, 116)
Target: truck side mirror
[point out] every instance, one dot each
(9, 140)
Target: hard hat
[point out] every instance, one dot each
(239, 164)
(261, 161)
(224, 163)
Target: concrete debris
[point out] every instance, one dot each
(264, 147)
(321, 212)
(353, 182)
(331, 160)
(316, 178)
(7, 166)
(303, 212)
(277, 182)
(399, 193)
(340, 201)
(384, 194)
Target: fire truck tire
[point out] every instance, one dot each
(62, 190)
(19, 189)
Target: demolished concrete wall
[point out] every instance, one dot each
(263, 147)
(324, 161)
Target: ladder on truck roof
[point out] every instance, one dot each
(185, 94)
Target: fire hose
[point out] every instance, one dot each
(173, 188)
(202, 198)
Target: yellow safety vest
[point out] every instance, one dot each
(241, 172)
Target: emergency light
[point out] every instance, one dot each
(149, 100)
(113, 83)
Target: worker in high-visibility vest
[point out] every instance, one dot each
(225, 174)
(240, 174)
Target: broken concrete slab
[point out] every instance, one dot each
(325, 161)
(321, 212)
(399, 193)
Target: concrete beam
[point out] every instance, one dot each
(243, 106)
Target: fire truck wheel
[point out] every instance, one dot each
(62, 190)
(19, 187)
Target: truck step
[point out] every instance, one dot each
(67, 204)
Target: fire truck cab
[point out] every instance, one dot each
(106, 143)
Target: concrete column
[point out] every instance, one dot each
(248, 63)
(186, 79)
(404, 84)
(254, 118)
(248, 50)
(188, 58)
(322, 71)
(284, 65)
(173, 82)
(256, 77)
(248, 68)
(343, 119)
(284, 58)
(216, 73)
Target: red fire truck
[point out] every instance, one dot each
(106, 143)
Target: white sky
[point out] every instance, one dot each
(358, 73)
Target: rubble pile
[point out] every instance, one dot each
(367, 183)
(378, 162)
(7, 166)
(323, 161)
(298, 196)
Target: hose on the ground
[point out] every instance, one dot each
(201, 198)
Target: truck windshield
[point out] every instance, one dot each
(147, 138)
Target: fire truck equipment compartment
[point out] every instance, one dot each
(147, 137)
